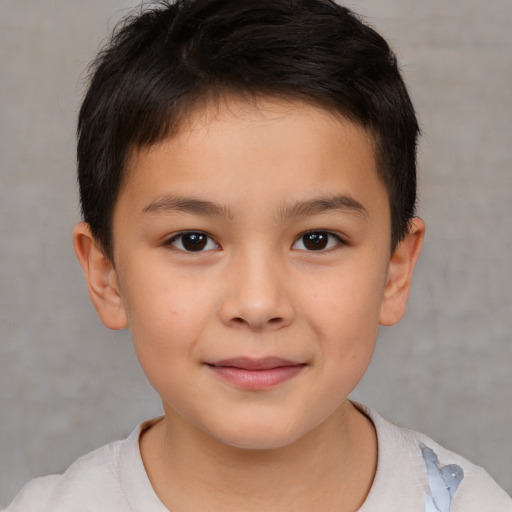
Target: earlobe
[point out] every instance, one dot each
(101, 278)
(400, 271)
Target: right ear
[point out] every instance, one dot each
(101, 277)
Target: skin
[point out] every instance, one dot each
(255, 179)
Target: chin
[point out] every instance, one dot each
(258, 436)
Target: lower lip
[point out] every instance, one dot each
(257, 379)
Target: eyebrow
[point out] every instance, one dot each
(315, 206)
(188, 205)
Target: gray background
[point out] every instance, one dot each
(68, 385)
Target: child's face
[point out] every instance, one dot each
(252, 265)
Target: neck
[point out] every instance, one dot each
(330, 468)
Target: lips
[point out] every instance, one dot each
(256, 374)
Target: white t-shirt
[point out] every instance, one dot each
(414, 474)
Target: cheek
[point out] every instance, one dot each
(343, 301)
(343, 311)
(166, 317)
(165, 335)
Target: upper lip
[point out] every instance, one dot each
(247, 363)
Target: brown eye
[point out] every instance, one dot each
(193, 241)
(317, 241)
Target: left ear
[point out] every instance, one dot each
(101, 278)
(401, 266)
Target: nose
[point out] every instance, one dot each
(257, 294)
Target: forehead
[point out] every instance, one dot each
(266, 151)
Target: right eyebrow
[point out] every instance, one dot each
(169, 204)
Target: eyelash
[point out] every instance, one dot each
(202, 240)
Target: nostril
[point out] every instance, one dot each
(239, 320)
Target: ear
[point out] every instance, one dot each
(400, 271)
(101, 278)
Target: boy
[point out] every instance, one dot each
(247, 178)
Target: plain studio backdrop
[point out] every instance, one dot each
(68, 385)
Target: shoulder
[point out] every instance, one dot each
(425, 470)
(75, 489)
(476, 490)
(93, 482)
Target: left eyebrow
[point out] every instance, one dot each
(316, 206)
(192, 205)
